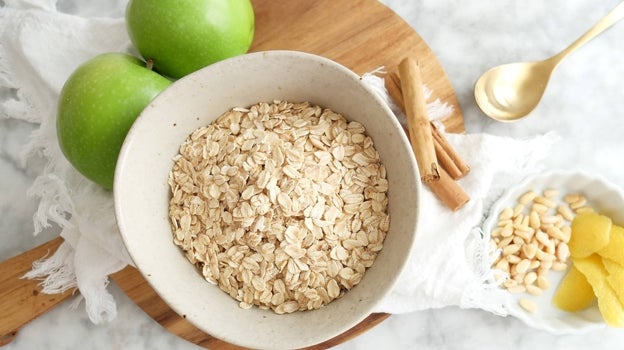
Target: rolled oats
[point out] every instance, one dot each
(282, 205)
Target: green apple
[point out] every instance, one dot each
(98, 104)
(182, 36)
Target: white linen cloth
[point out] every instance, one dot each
(40, 47)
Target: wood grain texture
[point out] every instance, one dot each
(363, 35)
(21, 299)
(136, 287)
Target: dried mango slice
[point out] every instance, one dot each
(615, 249)
(615, 278)
(574, 292)
(609, 305)
(590, 233)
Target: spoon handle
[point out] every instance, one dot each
(605, 23)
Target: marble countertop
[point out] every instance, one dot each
(583, 104)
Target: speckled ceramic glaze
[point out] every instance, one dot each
(142, 194)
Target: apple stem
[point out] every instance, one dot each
(149, 64)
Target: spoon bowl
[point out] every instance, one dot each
(512, 91)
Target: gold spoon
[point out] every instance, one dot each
(509, 92)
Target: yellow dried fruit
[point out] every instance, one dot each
(615, 278)
(609, 305)
(574, 292)
(590, 233)
(615, 249)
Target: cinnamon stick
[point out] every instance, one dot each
(449, 191)
(446, 189)
(393, 85)
(447, 156)
(418, 123)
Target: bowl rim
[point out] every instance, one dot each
(556, 178)
(126, 148)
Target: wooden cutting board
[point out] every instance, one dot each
(363, 35)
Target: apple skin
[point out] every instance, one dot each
(97, 105)
(182, 36)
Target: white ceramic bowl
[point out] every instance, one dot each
(605, 198)
(142, 194)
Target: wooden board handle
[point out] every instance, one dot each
(21, 299)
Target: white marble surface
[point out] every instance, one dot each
(583, 103)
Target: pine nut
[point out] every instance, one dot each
(556, 233)
(578, 203)
(533, 290)
(542, 237)
(545, 201)
(525, 235)
(534, 264)
(506, 214)
(521, 227)
(517, 289)
(566, 212)
(543, 256)
(511, 249)
(548, 219)
(523, 266)
(513, 259)
(559, 266)
(518, 240)
(534, 220)
(540, 208)
(563, 252)
(584, 209)
(571, 198)
(545, 227)
(528, 305)
(518, 219)
(499, 275)
(550, 193)
(530, 278)
(507, 231)
(542, 282)
(567, 233)
(518, 277)
(504, 242)
(517, 210)
(496, 232)
(529, 251)
(546, 264)
(493, 245)
(503, 223)
(527, 197)
(502, 265)
(508, 283)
